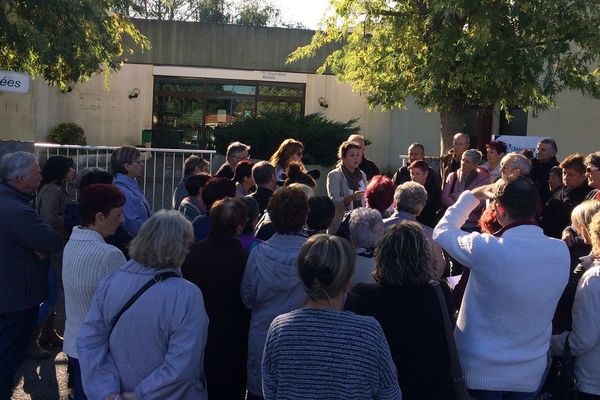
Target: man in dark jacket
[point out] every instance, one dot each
(545, 159)
(263, 173)
(25, 244)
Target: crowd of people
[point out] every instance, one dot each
(254, 287)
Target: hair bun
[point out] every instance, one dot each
(316, 270)
(294, 170)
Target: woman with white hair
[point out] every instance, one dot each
(366, 228)
(155, 347)
(584, 337)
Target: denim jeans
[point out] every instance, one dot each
(492, 395)
(16, 329)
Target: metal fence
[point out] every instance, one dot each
(163, 168)
(433, 162)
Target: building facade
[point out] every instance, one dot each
(197, 76)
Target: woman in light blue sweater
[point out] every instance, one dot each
(320, 351)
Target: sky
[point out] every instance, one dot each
(308, 12)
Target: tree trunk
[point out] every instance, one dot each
(452, 122)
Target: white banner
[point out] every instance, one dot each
(14, 82)
(515, 144)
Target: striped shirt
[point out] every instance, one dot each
(325, 354)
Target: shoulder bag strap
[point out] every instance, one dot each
(458, 379)
(155, 279)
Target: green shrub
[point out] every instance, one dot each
(321, 137)
(67, 133)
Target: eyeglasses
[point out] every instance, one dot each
(590, 169)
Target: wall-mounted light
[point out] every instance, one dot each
(134, 93)
(322, 102)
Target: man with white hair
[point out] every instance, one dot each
(410, 199)
(236, 152)
(514, 164)
(367, 166)
(25, 244)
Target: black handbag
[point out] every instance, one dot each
(561, 381)
(458, 380)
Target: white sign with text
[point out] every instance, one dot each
(14, 82)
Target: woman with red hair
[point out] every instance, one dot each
(380, 194)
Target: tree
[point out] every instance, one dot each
(257, 13)
(65, 41)
(215, 11)
(453, 54)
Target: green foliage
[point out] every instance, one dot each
(452, 54)
(321, 137)
(256, 13)
(65, 41)
(241, 12)
(67, 133)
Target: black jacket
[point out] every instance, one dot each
(23, 275)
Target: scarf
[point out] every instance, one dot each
(354, 179)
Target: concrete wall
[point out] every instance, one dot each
(575, 124)
(105, 112)
(225, 46)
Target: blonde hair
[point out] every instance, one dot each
(595, 234)
(163, 240)
(581, 216)
(325, 266)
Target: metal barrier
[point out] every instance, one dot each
(163, 168)
(433, 162)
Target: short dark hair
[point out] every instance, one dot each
(321, 212)
(193, 162)
(217, 189)
(551, 142)
(345, 147)
(288, 209)
(574, 162)
(417, 145)
(420, 164)
(226, 216)
(593, 159)
(556, 170)
(519, 196)
(56, 169)
(89, 176)
(195, 183)
(296, 173)
(253, 212)
(242, 170)
(121, 156)
(497, 145)
(262, 172)
(98, 197)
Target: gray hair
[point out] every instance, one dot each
(308, 191)
(411, 197)
(518, 161)
(366, 227)
(325, 266)
(15, 165)
(163, 240)
(463, 135)
(474, 155)
(403, 256)
(356, 137)
(236, 148)
(582, 215)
